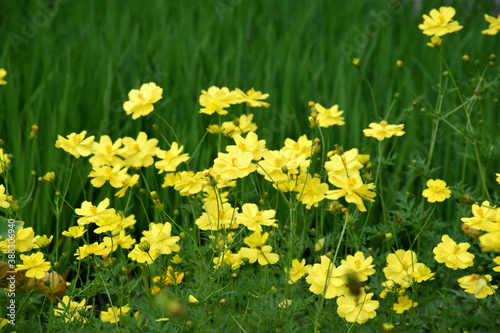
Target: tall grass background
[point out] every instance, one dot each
(74, 71)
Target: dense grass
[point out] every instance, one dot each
(73, 73)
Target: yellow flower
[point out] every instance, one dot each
(326, 276)
(4, 161)
(116, 175)
(494, 25)
(476, 284)
(24, 239)
(436, 191)
(192, 299)
(74, 232)
(404, 303)
(311, 192)
(383, 130)
(170, 159)
(352, 189)
(329, 117)
(258, 251)
(252, 218)
(298, 270)
(240, 125)
(70, 310)
(108, 222)
(357, 308)
(250, 143)
(90, 249)
(188, 182)
(90, 213)
(160, 238)
(452, 255)
(482, 215)
(142, 253)
(35, 265)
(106, 152)
(3, 198)
(274, 164)
(139, 152)
(127, 183)
(217, 217)
(76, 144)
(497, 261)
(295, 149)
(49, 176)
(235, 164)
(359, 265)
(176, 260)
(343, 165)
(440, 22)
(216, 99)
(497, 174)
(112, 315)
(42, 241)
(122, 240)
(400, 267)
(422, 273)
(169, 278)
(141, 101)
(3, 73)
(252, 98)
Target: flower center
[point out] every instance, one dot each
(357, 263)
(441, 19)
(241, 145)
(404, 263)
(140, 96)
(190, 174)
(456, 248)
(351, 181)
(108, 148)
(277, 161)
(136, 147)
(221, 213)
(258, 214)
(234, 161)
(93, 209)
(480, 212)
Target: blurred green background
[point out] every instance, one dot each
(71, 64)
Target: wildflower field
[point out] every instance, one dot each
(249, 166)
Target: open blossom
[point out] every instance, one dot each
(170, 159)
(404, 303)
(252, 218)
(298, 270)
(401, 266)
(440, 22)
(329, 117)
(139, 152)
(71, 310)
(74, 232)
(325, 275)
(250, 143)
(106, 152)
(87, 250)
(436, 191)
(116, 175)
(257, 250)
(235, 164)
(90, 213)
(482, 215)
(494, 25)
(186, 182)
(357, 308)
(359, 265)
(76, 144)
(35, 265)
(239, 125)
(294, 149)
(476, 284)
(353, 189)
(141, 101)
(160, 238)
(112, 314)
(217, 217)
(311, 192)
(216, 99)
(128, 182)
(453, 255)
(252, 98)
(383, 130)
(24, 240)
(346, 164)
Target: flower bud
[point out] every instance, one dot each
(399, 63)
(356, 62)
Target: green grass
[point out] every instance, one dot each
(74, 72)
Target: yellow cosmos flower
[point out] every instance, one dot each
(74, 232)
(257, 250)
(325, 275)
(3, 198)
(71, 310)
(357, 308)
(90, 213)
(35, 265)
(142, 253)
(452, 255)
(128, 182)
(91, 249)
(298, 270)
(76, 144)
(250, 143)
(238, 125)
(122, 240)
(311, 192)
(295, 149)
(170, 159)
(3, 73)
(341, 165)
(186, 182)
(359, 265)
(216, 99)
(353, 189)
(482, 215)
(25, 240)
(112, 315)
(42, 241)
(440, 22)
(106, 152)
(217, 217)
(141, 101)
(139, 152)
(494, 25)
(401, 266)
(252, 98)
(160, 238)
(252, 218)
(436, 191)
(383, 130)
(329, 117)
(116, 175)
(404, 303)
(233, 165)
(476, 284)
